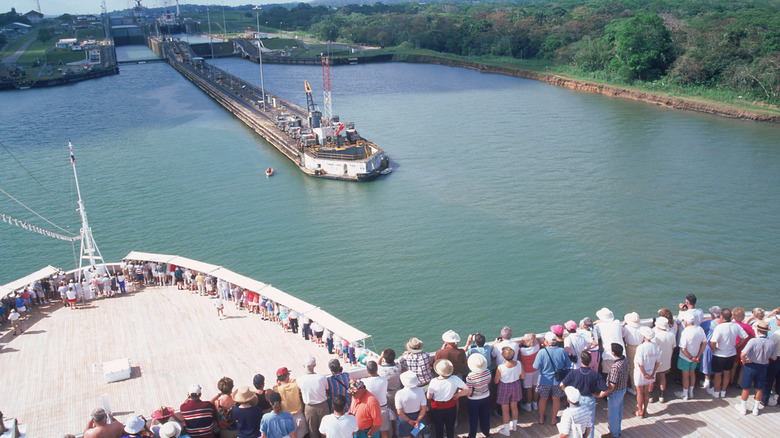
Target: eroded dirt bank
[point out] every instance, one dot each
(688, 104)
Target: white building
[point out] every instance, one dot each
(65, 43)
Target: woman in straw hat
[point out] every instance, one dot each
(416, 360)
(648, 358)
(171, 430)
(479, 399)
(246, 413)
(160, 417)
(443, 393)
(666, 342)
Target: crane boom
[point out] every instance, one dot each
(311, 107)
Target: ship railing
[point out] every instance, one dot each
(328, 155)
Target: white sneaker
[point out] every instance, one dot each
(723, 394)
(690, 393)
(713, 393)
(706, 384)
(525, 406)
(503, 431)
(682, 395)
(513, 426)
(535, 405)
(741, 408)
(755, 409)
(773, 400)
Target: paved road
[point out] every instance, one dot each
(11, 59)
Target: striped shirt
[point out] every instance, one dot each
(479, 384)
(579, 415)
(338, 384)
(618, 374)
(199, 418)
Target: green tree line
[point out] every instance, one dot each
(708, 43)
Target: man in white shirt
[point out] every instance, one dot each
(689, 307)
(377, 386)
(574, 344)
(338, 424)
(314, 392)
(504, 341)
(610, 331)
(575, 416)
(724, 351)
(693, 340)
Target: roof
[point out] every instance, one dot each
(36, 13)
(17, 24)
(24, 281)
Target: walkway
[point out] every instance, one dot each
(12, 58)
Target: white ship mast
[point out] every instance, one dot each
(89, 249)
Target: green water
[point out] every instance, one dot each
(513, 202)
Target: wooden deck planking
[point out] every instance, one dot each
(173, 338)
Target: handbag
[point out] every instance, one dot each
(560, 374)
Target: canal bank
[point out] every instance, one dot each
(771, 115)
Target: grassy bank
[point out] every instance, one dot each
(724, 102)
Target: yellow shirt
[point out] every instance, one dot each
(291, 397)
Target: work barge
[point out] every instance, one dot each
(320, 147)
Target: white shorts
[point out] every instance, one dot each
(531, 379)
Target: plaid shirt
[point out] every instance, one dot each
(420, 364)
(618, 374)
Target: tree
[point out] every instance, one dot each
(642, 46)
(45, 34)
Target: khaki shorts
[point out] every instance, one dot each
(387, 418)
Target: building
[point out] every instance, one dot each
(93, 56)
(35, 17)
(16, 28)
(65, 43)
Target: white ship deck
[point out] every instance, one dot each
(173, 338)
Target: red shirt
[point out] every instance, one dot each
(366, 411)
(751, 335)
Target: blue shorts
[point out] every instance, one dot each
(684, 365)
(753, 376)
(344, 349)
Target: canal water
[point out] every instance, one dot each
(512, 202)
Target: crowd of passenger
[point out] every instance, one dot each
(569, 367)
(556, 377)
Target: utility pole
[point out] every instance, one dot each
(211, 42)
(260, 54)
